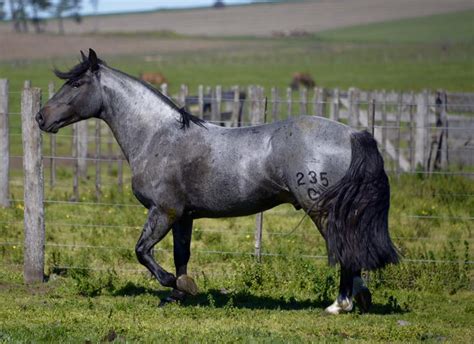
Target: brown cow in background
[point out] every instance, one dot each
(154, 78)
(302, 79)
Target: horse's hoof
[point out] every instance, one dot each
(187, 284)
(176, 296)
(340, 306)
(168, 280)
(363, 299)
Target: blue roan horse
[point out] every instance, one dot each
(184, 168)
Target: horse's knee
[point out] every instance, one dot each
(140, 253)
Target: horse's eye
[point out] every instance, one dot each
(76, 84)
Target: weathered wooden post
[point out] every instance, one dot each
(164, 89)
(4, 145)
(216, 105)
(289, 101)
(334, 114)
(33, 187)
(411, 113)
(444, 124)
(353, 96)
(383, 113)
(120, 172)
(110, 151)
(201, 101)
(183, 93)
(52, 147)
(371, 113)
(320, 101)
(257, 116)
(303, 101)
(75, 178)
(234, 120)
(97, 159)
(422, 127)
(82, 140)
(399, 132)
(275, 104)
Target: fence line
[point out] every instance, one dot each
(428, 148)
(238, 253)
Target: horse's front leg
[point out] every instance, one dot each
(182, 232)
(351, 285)
(157, 226)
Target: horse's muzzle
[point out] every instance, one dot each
(40, 119)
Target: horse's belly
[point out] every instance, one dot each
(232, 209)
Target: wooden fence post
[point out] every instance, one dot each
(4, 145)
(275, 104)
(383, 112)
(235, 118)
(120, 172)
(303, 101)
(216, 98)
(334, 114)
(110, 151)
(320, 101)
(52, 145)
(444, 157)
(353, 96)
(289, 101)
(201, 101)
(97, 158)
(422, 128)
(399, 132)
(164, 89)
(75, 180)
(82, 144)
(411, 113)
(33, 187)
(257, 116)
(371, 104)
(183, 93)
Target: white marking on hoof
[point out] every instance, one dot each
(341, 305)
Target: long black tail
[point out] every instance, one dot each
(354, 212)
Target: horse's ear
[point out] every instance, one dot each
(84, 57)
(93, 60)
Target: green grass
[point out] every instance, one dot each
(443, 28)
(280, 300)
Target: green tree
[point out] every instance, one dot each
(67, 8)
(37, 6)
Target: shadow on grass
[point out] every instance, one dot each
(242, 300)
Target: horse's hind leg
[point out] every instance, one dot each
(351, 286)
(157, 226)
(343, 302)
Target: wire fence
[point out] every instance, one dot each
(393, 116)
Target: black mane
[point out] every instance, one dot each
(78, 70)
(75, 72)
(186, 116)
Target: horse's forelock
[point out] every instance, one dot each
(75, 72)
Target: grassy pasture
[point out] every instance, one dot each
(282, 299)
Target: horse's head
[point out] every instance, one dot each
(79, 98)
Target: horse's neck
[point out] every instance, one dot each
(134, 112)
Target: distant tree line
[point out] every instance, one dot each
(24, 13)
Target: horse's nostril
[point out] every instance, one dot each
(39, 118)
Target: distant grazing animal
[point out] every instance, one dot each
(184, 168)
(302, 79)
(154, 78)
